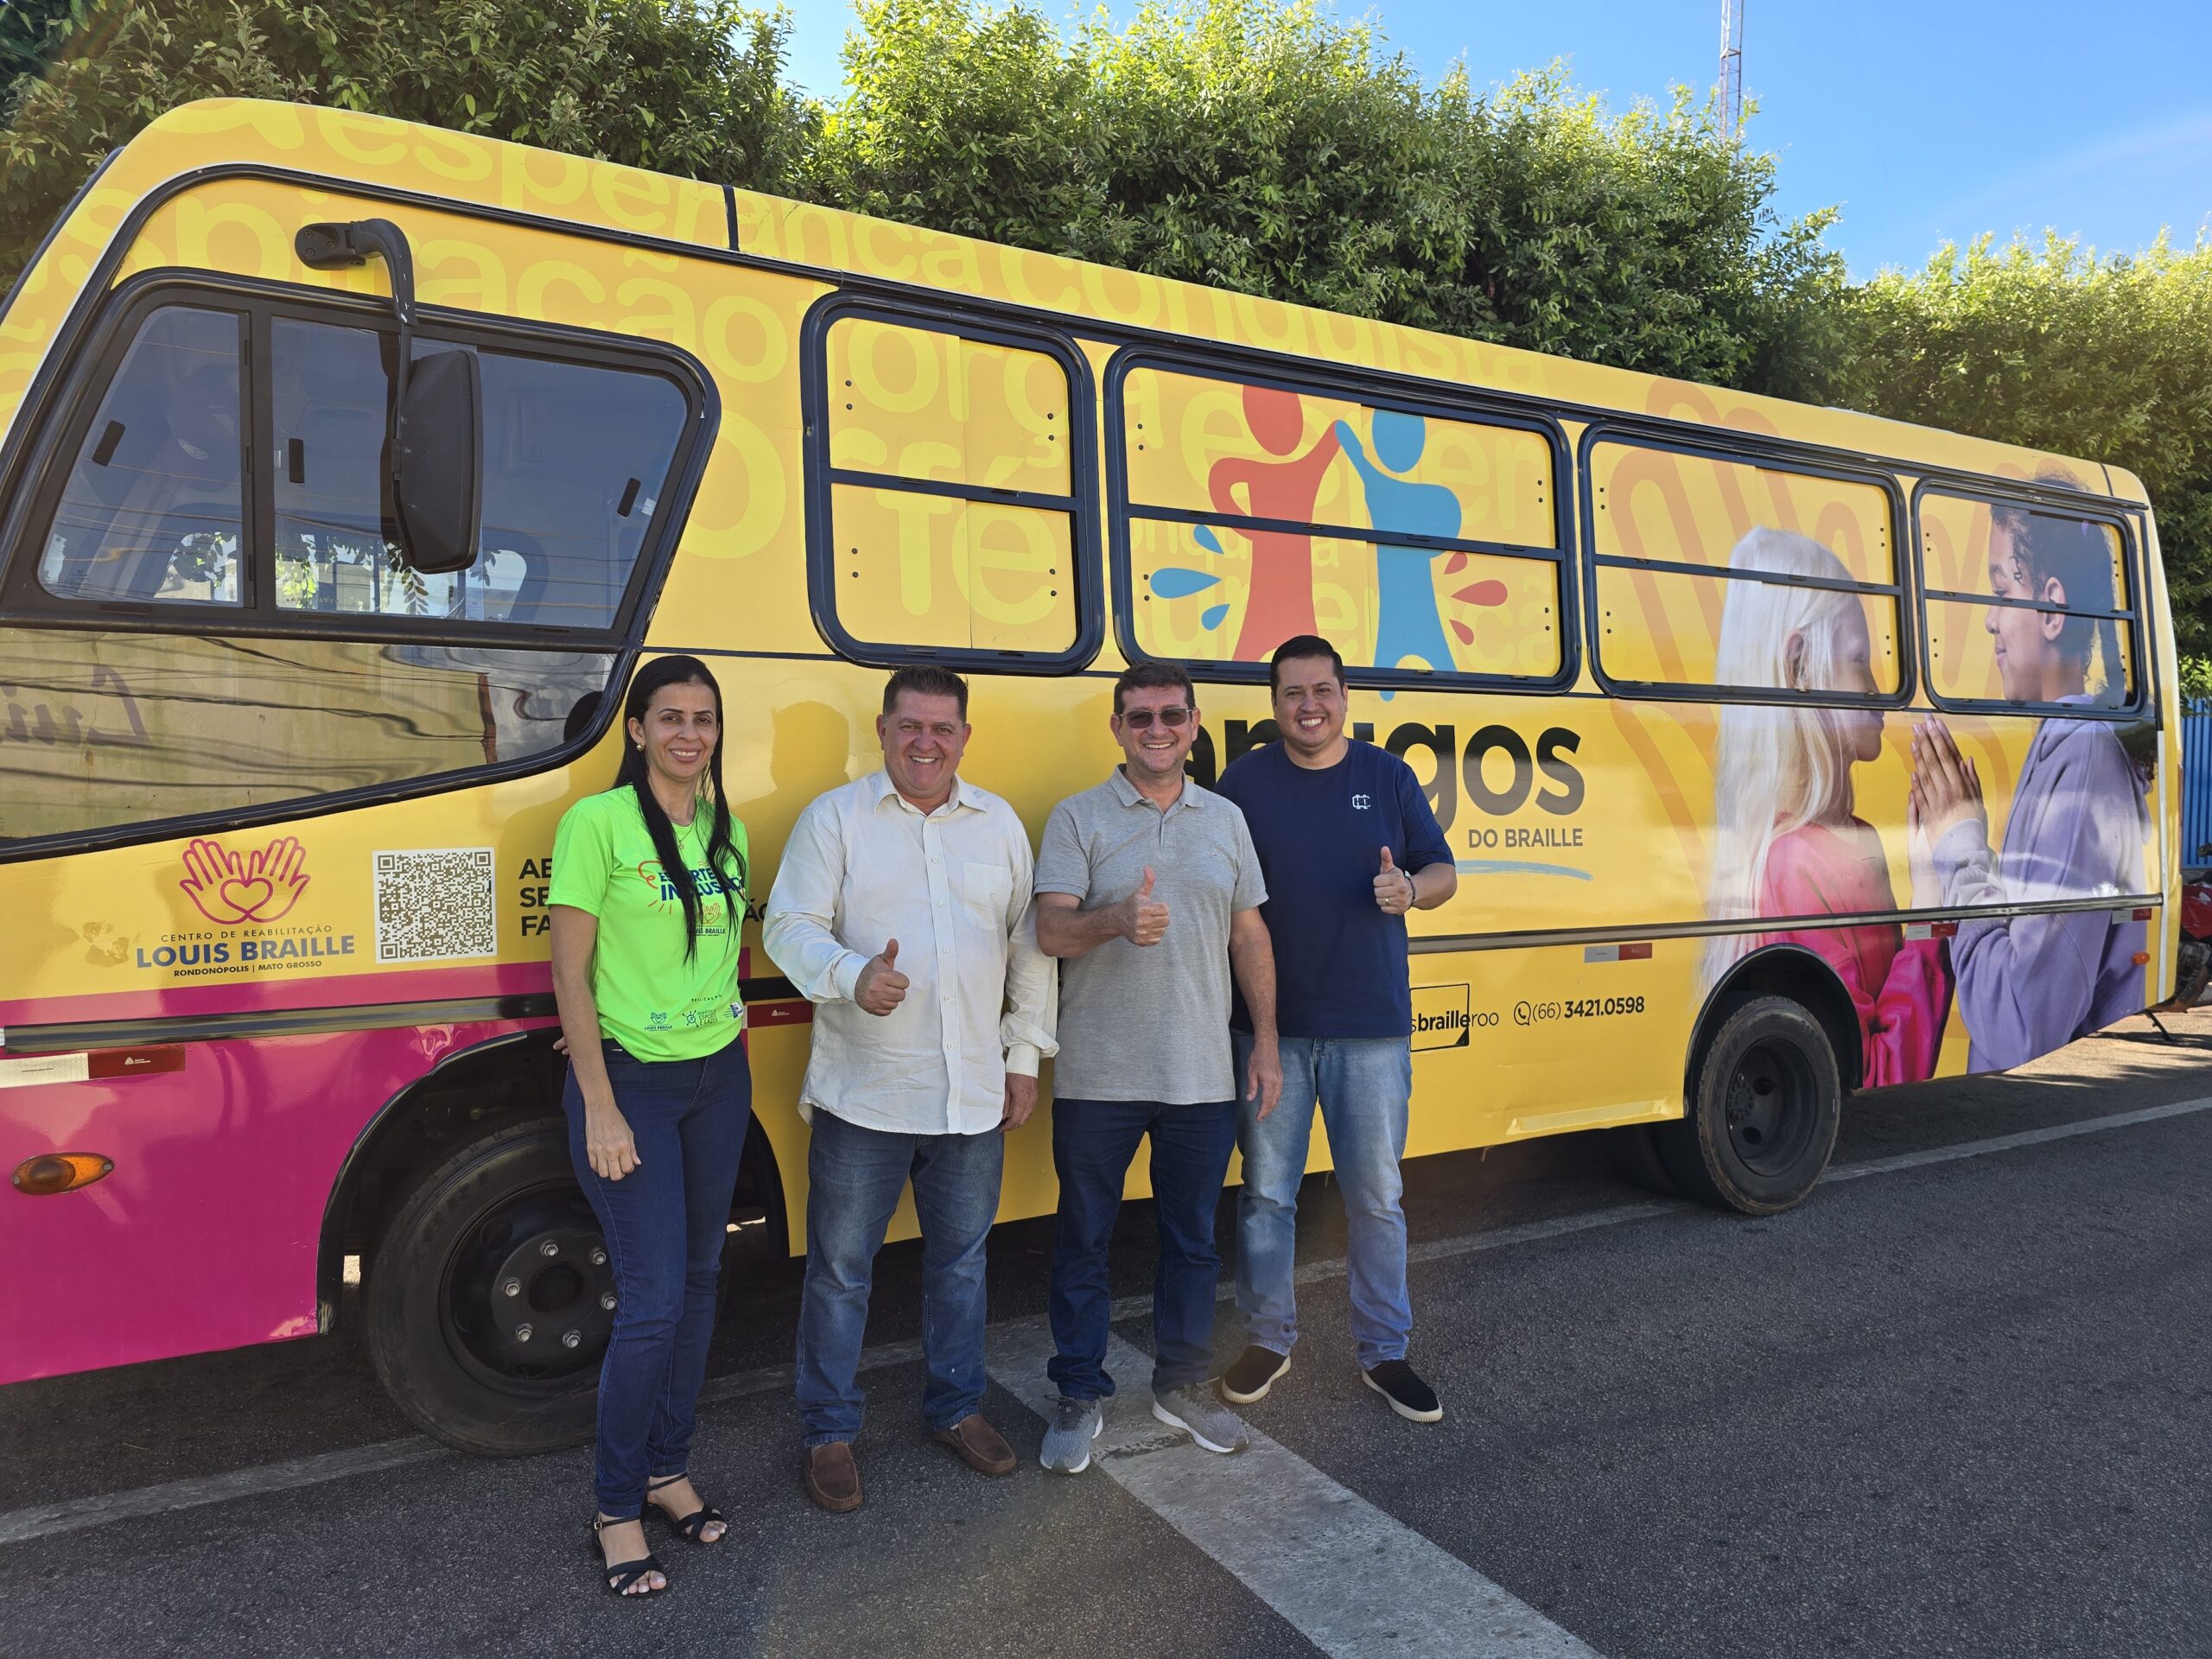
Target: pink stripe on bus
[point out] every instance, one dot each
(206, 1235)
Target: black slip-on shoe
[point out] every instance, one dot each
(1410, 1397)
(1252, 1375)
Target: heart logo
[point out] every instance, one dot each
(229, 888)
(246, 897)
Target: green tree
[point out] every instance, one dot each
(1275, 149)
(34, 33)
(688, 87)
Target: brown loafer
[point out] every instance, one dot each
(980, 1445)
(833, 1479)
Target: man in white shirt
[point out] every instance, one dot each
(903, 910)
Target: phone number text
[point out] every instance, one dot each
(1588, 1007)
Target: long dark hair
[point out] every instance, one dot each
(727, 863)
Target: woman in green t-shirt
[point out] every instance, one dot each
(648, 901)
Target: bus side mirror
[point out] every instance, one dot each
(433, 438)
(437, 484)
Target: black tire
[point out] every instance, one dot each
(1633, 1151)
(1765, 1097)
(464, 1269)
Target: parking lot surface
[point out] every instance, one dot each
(1957, 1403)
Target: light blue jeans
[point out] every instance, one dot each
(1364, 1086)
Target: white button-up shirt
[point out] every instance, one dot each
(864, 867)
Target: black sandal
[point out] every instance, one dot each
(620, 1575)
(691, 1525)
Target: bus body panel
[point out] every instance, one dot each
(1559, 990)
(205, 1235)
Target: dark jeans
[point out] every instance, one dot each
(665, 1222)
(1093, 1143)
(853, 1179)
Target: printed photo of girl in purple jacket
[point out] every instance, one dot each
(2079, 820)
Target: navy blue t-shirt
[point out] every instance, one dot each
(1340, 962)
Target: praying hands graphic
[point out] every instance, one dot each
(260, 888)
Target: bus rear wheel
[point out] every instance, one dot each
(1766, 1096)
(490, 1299)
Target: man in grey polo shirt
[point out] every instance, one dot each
(1149, 891)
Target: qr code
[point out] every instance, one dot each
(436, 905)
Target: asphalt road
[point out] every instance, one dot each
(1955, 1405)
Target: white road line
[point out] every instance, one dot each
(1354, 1582)
(2009, 1142)
(43, 1521)
(47, 1520)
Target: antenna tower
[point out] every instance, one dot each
(1731, 69)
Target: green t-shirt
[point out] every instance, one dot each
(652, 1000)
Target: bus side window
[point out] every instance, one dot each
(576, 457)
(1420, 545)
(1983, 559)
(205, 649)
(1713, 573)
(151, 511)
(953, 523)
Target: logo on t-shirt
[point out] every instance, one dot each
(1361, 802)
(705, 881)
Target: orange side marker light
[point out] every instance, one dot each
(60, 1171)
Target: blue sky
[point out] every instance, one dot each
(1924, 121)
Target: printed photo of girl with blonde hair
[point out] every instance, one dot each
(2079, 819)
(1789, 843)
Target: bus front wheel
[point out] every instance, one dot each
(489, 1298)
(1765, 1097)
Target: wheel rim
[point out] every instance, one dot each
(530, 1296)
(1773, 1107)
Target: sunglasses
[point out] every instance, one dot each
(1140, 720)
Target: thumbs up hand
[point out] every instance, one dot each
(1144, 919)
(1394, 888)
(881, 987)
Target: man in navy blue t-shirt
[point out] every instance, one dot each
(1347, 845)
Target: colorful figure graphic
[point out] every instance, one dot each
(1281, 603)
(2029, 984)
(1787, 840)
(1407, 622)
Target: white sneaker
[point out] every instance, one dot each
(1075, 1425)
(1204, 1419)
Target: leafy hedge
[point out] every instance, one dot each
(688, 87)
(2110, 359)
(1264, 145)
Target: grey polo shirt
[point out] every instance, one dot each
(1149, 1022)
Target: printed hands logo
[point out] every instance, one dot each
(229, 889)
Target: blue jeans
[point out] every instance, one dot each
(666, 1223)
(1093, 1144)
(1364, 1085)
(854, 1177)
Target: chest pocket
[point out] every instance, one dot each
(984, 889)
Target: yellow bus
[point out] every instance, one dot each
(351, 467)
